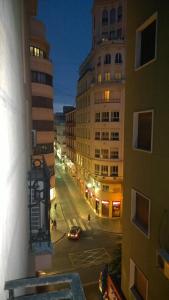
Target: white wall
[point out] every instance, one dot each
(14, 149)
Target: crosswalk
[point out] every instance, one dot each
(78, 222)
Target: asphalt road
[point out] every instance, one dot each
(88, 255)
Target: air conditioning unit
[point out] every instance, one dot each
(163, 262)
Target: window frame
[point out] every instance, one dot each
(139, 30)
(134, 292)
(135, 130)
(133, 212)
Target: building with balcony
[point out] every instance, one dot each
(145, 251)
(100, 111)
(42, 99)
(70, 133)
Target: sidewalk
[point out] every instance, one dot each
(61, 228)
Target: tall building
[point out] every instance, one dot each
(100, 111)
(70, 135)
(42, 99)
(15, 133)
(145, 253)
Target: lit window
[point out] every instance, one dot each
(99, 78)
(138, 282)
(97, 169)
(118, 76)
(146, 40)
(142, 130)
(104, 153)
(107, 95)
(107, 76)
(105, 188)
(140, 211)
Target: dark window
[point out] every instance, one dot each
(43, 125)
(105, 116)
(43, 149)
(119, 33)
(51, 170)
(144, 131)
(148, 40)
(38, 101)
(105, 17)
(97, 117)
(119, 13)
(105, 35)
(115, 116)
(113, 35)
(141, 217)
(118, 58)
(42, 78)
(114, 171)
(112, 16)
(107, 59)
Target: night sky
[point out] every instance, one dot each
(68, 30)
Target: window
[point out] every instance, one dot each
(142, 130)
(115, 136)
(118, 58)
(107, 59)
(119, 33)
(112, 16)
(106, 96)
(115, 116)
(105, 136)
(42, 78)
(99, 78)
(97, 117)
(105, 116)
(146, 39)
(105, 188)
(99, 61)
(118, 76)
(113, 35)
(97, 169)
(105, 17)
(105, 36)
(107, 76)
(104, 153)
(114, 154)
(119, 14)
(97, 135)
(114, 171)
(35, 51)
(140, 211)
(97, 153)
(138, 282)
(104, 170)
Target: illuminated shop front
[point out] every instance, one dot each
(105, 208)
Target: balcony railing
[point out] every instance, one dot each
(105, 101)
(72, 280)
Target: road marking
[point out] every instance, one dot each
(82, 225)
(69, 223)
(75, 222)
(88, 226)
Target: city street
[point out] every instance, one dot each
(99, 237)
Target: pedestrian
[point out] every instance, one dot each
(88, 217)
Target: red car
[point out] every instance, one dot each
(74, 233)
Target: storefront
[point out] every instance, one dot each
(116, 207)
(105, 208)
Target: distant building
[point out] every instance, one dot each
(70, 135)
(42, 99)
(100, 111)
(60, 143)
(145, 252)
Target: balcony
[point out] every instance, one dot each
(105, 101)
(71, 281)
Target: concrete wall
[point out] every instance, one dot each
(15, 143)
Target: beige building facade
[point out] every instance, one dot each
(100, 111)
(42, 99)
(145, 252)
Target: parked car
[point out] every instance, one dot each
(74, 233)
